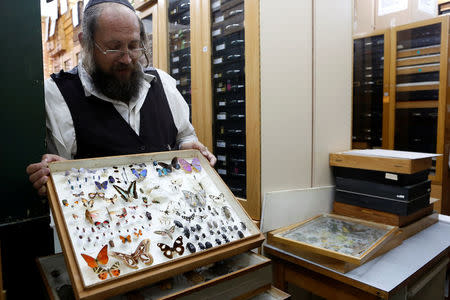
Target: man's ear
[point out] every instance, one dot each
(80, 38)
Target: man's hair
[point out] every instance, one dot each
(89, 26)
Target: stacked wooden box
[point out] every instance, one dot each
(385, 186)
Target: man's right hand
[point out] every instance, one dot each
(38, 172)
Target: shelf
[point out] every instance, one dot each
(417, 104)
(419, 86)
(419, 60)
(418, 69)
(419, 51)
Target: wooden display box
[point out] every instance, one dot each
(338, 242)
(146, 220)
(382, 160)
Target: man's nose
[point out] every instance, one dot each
(126, 58)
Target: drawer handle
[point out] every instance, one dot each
(184, 4)
(233, 71)
(236, 42)
(233, 56)
(186, 18)
(237, 11)
(232, 25)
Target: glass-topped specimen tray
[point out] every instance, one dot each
(128, 221)
(342, 238)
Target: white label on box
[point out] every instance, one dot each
(221, 144)
(386, 7)
(178, 82)
(175, 71)
(222, 171)
(401, 196)
(219, 19)
(222, 103)
(221, 158)
(216, 32)
(175, 59)
(221, 116)
(217, 61)
(220, 47)
(391, 176)
(215, 5)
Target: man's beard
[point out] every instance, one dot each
(117, 89)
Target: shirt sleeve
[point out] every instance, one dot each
(179, 108)
(60, 135)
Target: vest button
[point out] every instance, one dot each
(141, 148)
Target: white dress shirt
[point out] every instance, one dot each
(61, 139)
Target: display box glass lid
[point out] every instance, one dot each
(128, 221)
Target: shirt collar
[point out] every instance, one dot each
(90, 89)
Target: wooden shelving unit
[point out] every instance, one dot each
(419, 66)
(415, 114)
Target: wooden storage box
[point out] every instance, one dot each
(382, 160)
(239, 275)
(150, 219)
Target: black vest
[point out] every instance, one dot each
(101, 131)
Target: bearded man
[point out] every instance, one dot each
(108, 105)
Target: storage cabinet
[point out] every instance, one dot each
(419, 66)
(179, 38)
(370, 74)
(212, 49)
(414, 97)
(228, 69)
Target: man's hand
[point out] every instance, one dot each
(203, 150)
(38, 172)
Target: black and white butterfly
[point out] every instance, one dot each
(128, 194)
(177, 247)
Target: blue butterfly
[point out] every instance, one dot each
(139, 174)
(102, 185)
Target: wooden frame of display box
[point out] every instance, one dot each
(337, 229)
(143, 210)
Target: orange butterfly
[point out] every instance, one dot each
(125, 239)
(137, 234)
(102, 259)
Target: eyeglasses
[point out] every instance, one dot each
(117, 54)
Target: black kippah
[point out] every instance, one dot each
(95, 2)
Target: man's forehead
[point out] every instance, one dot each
(118, 20)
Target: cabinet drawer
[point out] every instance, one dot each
(227, 278)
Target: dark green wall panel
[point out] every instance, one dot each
(22, 113)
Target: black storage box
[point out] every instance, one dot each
(382, 177)
(380, 190)
(399, 207)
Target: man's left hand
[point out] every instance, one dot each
(203, 150)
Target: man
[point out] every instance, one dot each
(108, 105)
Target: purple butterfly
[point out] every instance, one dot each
(101, 185)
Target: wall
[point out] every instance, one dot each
(305, 90)
(286, 94)
(306, 59)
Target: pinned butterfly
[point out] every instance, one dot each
(140, 254)
(169, 251)
(98, 264)
(128, 194)
(189, 167)
(140, 174)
